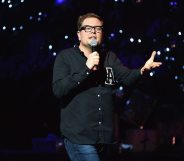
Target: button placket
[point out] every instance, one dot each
(100, 112)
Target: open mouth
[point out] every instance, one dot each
(92, 37)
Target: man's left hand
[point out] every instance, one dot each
(150, 64)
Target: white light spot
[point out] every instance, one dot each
(131, 39)
(4, 27)
(10, 6)
(167, 49)
(112, 34)
(66, 36)
(172, 58)
(21, 27)
(158, 53)
(139, 40)
(30, 17)
(151, 74)
(40, 13)
(39, 19)
(14, 28)
(128, 102)
(167, 35)
(50, 47)
(179, 33)
(120, 88)
(120, 31)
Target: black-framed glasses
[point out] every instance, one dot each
(89, 29)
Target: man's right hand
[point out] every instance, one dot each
(93, 60)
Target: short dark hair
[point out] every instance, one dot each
(87, 15)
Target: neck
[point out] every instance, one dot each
(87, 50)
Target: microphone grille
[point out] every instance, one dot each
(93, 42)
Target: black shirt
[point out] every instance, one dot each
(87, 96)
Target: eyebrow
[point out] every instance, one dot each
(82, 27)
(91, 26)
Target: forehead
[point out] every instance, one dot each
(92, 21)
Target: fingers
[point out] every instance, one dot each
(95, 53)
(150, 64)
(153, 65)
(156, 64)
(93, 60)
(153, 55)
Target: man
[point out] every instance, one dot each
(84, 80)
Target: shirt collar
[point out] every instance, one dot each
(76, 47)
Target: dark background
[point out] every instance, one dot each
(28, 108)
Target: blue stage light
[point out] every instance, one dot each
(173, 3)
(58, 2)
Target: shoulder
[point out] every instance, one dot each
(111, 55)
(67, 51)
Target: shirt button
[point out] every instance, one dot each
(99, 109)
(99, 122)
(87, 73)
(78, 82)
(98, 95)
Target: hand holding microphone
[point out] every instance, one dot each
(93, 59)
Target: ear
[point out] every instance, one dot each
(78, 34)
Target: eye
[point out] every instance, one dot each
(88, 28)
(98, 28)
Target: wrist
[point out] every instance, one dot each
(142, 70)
(89, 66)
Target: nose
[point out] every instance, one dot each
(93, 30)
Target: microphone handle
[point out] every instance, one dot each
(93, 48)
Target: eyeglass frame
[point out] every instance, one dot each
(92, 27)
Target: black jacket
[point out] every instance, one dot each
(87, 96)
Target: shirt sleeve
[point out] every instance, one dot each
(123, 74)
(64, 81)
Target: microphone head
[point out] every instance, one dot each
(93, 43)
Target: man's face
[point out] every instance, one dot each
(91, 29)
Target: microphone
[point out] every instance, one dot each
(93, 44)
